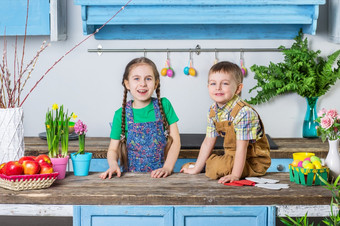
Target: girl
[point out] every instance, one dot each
(246, 147)
(144, 134)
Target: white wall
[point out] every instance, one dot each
(90, 85)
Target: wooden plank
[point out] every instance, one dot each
(178, 189)
(36, 210)
(98, 146)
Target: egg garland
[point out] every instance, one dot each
(167, 70)
(189, 70)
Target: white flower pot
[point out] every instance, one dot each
(333, 158)
(12, 145)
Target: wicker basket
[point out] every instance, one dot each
(27, 182)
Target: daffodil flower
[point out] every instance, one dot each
(74, 116)
(48, 126)
(55, 106)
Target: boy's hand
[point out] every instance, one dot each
(188, 171)
(228, 178)
(161, 172)
(110, 172)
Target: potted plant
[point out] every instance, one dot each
(57, 130)
(81, 160)
(303, 72)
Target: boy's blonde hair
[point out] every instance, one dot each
(228, 67)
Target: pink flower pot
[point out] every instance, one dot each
(59, 165)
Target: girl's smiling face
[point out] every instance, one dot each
(222, 87)
(141, 83)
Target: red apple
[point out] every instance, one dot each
(13, 168)
(43, 158)
(31, 167)
(33, 157)
(2, 168)
(25, 158)
(45, 168)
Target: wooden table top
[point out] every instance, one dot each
(177, 189)
(99, 145)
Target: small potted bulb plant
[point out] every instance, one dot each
(81, 160)
(57, 130)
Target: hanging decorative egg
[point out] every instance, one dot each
(192, 71)
(164, 71)
(170, 72)
(186, 70)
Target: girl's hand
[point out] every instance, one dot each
(110, 172)
(161, 172)
(228, 178)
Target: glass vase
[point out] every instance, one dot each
(309, 124)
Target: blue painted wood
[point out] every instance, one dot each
(13, 17)
(271, 215)
(173, 215)
(101, 165)
(203, 19)
(123, 215)
(221, 215)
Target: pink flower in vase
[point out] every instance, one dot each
(332, 113)
(326, 122)
(322, 112)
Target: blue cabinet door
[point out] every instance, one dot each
(224, 215)
(123, 215)
(13, 17)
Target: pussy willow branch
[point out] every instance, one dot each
(31, 64)
(55, 63)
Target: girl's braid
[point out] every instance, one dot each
(165, 123)
(123, 152)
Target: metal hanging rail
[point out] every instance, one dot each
(197, 50)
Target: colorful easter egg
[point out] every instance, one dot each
(164, 71)
(295, 163)
(186, 70)
(317, 165)
(309, 166)
(304, 163)
(300, 163)
(315, 158)
(192, 71)
(170, 72)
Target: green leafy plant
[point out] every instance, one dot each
(333, 219)
(57, 128)
(303, 72)
(299, 221)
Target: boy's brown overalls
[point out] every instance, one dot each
(258, 153)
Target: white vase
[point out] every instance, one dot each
(333, 158)
(12, 145)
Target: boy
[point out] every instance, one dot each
(246, 147)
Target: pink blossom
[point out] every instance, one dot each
(332, 113)
(322, 112)
(80, 128)
(336, 129)
(326, 122)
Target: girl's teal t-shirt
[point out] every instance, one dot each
(146, 114)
